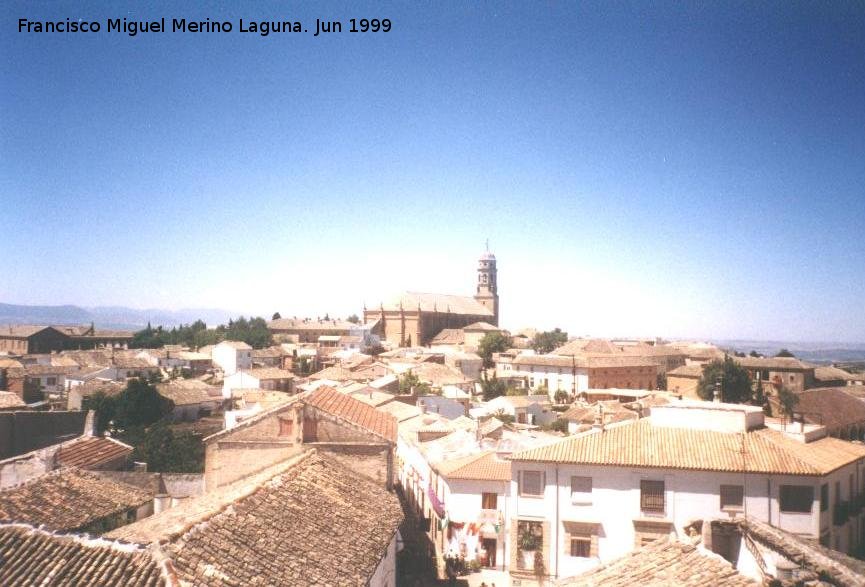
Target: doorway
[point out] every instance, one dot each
(489, 545)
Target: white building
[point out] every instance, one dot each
(594, 497)
(524, 409)
(269, 378)
(553, 372)
(232, 356)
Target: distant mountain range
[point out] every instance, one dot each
(813, 352)
(112, 317)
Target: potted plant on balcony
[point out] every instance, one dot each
(529, 544)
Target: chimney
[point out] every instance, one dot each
(422, 405)
(598, 424)
(90, 424)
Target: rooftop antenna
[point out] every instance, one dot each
(487, 245)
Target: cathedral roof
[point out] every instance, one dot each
(430, 302)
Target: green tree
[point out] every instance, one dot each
(558, 425)
(785, 353)
(492, 342)
(514, 390)
(562, 397)
(733, 378)
(492, 387)
(354, 319)
(755, 354)
(103, 405)
(169, 452)
(547, 342)
(787, 400)
(661, 381)
(139, 406)
(276, 316)
(410, 383)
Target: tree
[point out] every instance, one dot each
(755, 354)
(785, 353)
(139, 406)
(787, 400)
(661, 381)
(409, 383)
(276, 316)
(492, 388)
(547, 342)
(733, 379)
(562, 397)
(492, 342)
(354, 319)
(558, 425)
(103, 406)
(166, 451)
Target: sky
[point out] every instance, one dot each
(687, 170)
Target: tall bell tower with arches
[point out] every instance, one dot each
(488, 287)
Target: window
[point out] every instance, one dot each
(824, 498)
(489, 501)
(286, 427)
(51, 381)
(531, 483)
(581, 546)
(732, 497)
(581, 490)
(797, 499)
(652, 496)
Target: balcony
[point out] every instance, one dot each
(841, 513)
(490, 517)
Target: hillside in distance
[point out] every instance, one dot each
(116, 317)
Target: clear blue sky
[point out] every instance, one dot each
(688, 169)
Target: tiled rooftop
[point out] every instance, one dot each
(30, 556)
(307, 522)
(10, 400)
(348, 408)
(68, 499)
(484, 466)
(91, 451)
(663, 562)
(642, 444)
(430, 302)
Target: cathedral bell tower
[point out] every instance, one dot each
(488, 289)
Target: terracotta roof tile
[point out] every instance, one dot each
(348, 408)
(429, 302)
(30, 556)
(832, 407)
(90, 451)
(68, 499)
(663, 562)
(642, 444)
(484, 466)
(318, 523)
(10, 400)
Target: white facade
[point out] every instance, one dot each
(538, 372)
(594, 513)
(232, 356)
(613, 506)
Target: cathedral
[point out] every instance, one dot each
(415, 318)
